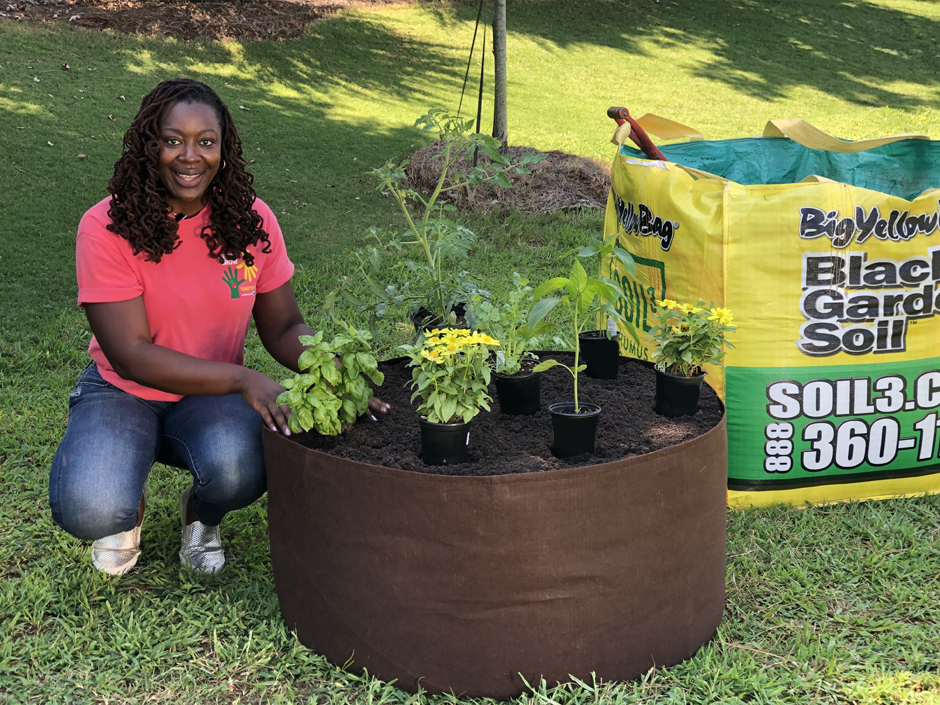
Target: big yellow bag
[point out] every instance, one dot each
(828, 254)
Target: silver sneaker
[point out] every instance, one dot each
(202, 545)
(118, 553)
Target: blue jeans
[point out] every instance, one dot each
(113, 438)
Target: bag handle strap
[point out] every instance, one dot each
(667, 129)
(661, 127)
(805, 134)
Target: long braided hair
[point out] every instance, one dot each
(139, 209)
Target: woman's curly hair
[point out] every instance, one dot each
(139, 209)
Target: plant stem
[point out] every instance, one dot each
(577, 349)
(436, 266)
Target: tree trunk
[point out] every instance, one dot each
(500, 126)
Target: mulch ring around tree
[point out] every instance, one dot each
(560, 182)
(502, 445)
(241, 20)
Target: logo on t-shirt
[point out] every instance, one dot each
(232, 277)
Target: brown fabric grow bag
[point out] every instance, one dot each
(464, 583)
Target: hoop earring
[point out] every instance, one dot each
(224, 164)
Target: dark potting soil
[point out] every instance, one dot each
(501, 444)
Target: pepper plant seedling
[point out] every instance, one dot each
(583, 296)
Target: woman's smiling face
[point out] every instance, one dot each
(190, 154)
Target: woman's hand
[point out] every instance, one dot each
(261, 392)
(377, 406)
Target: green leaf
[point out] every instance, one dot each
(587, 251)
(448, 409)
(547, 365)
(541, 309)
(354, 300)
(305, 418)
(626, 259)
(491, 151)
(549, 285)
(307, 359)
(374, 287)
(532, 157)
(375, 258)
(578, 277)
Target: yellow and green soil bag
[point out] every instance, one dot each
(827, 252)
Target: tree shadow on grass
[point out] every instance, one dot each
(360, 52)
(850, 49)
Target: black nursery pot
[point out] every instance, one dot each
(444, 443)
(424, 320)
(600, 353)
(677, 395)
(573, 434)
(519, 395)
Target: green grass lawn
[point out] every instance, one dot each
(830, 604)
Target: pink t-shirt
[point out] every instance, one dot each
(195, 304)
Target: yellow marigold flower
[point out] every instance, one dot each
(667, 303)
(686, 308)
(675, 330)
(433, 356)
(722, 315)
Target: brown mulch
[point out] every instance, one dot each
(560, 182)
(501, 444)
(242, 20)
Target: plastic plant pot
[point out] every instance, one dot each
(518, 395)
(424, 320)
(677, 395)
(573, 433)
(600, 353)
(444, 443)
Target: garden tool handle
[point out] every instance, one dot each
(637, 133)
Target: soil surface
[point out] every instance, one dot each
(501, 444)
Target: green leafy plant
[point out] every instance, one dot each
(331, 389)
(508, 323)
(689, 336)
(439, 244)
(584, 298)
(450, 374)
